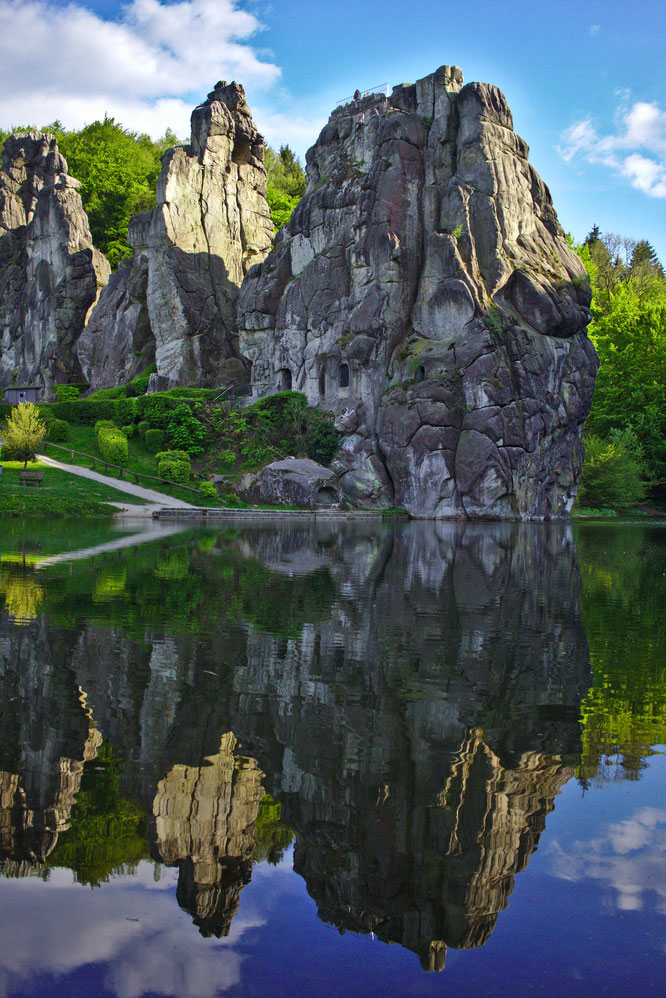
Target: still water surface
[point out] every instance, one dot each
(324, 759)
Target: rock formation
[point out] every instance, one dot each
(50, 272)
(205, 819)
(425, 292)
(174, 301)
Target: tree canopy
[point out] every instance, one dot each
(285, 183)
(23, 433)
(629, 333)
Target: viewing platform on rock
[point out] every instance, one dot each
(359, 102)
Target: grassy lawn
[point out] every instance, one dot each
(59, 494)
(82, 438)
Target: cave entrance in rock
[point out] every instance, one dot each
(322, 383)
(327, 496)
(242, 150)
(343, 376)
(284, 375)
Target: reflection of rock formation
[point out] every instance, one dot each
(416, 728)
(47, 736)
(205, 825)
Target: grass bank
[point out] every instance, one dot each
(60, 494)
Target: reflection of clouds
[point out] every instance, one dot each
(149, 942)
(630, 858)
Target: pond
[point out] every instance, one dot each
(313, 758)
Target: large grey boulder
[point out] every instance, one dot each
(424, 291)
(297, 482)
(174, 302)
(50, 273)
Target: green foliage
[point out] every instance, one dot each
(226, 460)
(321, 437)
(271, 834)
(126, 410)
(112, 444)
(142, 427)
(207, 490)
(103, 422)
(34, 502)
(139, 385)
(282, 206)
(107, 831)
(172, 455)
(67, 393)
(285, 184)
(58, 430)
(185, 431)
(629, 333)
(107, 393)
(129, 430)
(174, 471)
(457, 232)
(612, 473)
(153, 440)
(23, 433)
(118, 170)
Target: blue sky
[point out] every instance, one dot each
(586, 80)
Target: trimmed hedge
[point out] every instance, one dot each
(142, 427)
(154, 439)
(107, 393)
(112, 444)
(174, 471)
(207, 490)
(172, 455)
(58, 430)
(129, 430)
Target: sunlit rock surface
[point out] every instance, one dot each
(173, 302)
(50, 272)
(425, 292)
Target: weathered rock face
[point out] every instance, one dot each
(174, 302)
(297, 482)
(50, 272)
(424, 291)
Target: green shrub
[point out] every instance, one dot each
(153, 439)
(321, 438)
(172, 455)
(156, 408)
(612, 472)
(142, 427)
(112, 444)
(174, 471)
(58, 430)
(103, 422)
(231, 499)
(139, 385)
(126, 410)
(107, 393)
(67, 393)
(45, 413)
(185, 431)
(207, 490)
(129, 430)
(226, 460)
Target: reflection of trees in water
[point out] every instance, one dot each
(23, 595)
(624, 586)
(412, 694)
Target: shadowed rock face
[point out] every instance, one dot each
(49, 271)
(424, 291)
(173, 303)
(416, 742)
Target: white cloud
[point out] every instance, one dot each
(636, 150)
(144, 68)
(595, 29)
(630, 859)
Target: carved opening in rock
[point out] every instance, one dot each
(343, 376)
(242, 150)
(322, 383)
(420, 373)
(284, 375)
(326, 496)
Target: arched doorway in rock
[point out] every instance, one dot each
(343, 376)
(326, 496)
(285, 379)
(322, 383)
